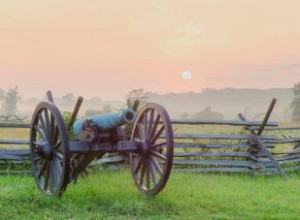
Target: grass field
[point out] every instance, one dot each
(112, 195)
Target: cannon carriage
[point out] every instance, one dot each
(58, 159)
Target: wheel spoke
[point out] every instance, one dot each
(138, 166)
(152, 132)
(158, 145)
(48, 123)
(142, 174)
(57, 165)
(58, 155)
(142, 132)
(41, 133)
(44, 125)
(146, 125)
(37, 143)
(55, 134)
(42, 170)
(150, 123)
(55, 174)
(46, 183)
(147, 174)
(152, 172)
(53, 177)
(154, 138)
(37, 158)
(57, 145)
(161, 156)
(156, 165)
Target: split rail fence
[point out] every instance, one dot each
(17, 155)
(252, 147)
(239, 152)
(201, 146)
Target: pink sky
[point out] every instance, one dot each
(107, 48)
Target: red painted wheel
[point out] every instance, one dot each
(151, 165)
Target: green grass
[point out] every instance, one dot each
(112, 195)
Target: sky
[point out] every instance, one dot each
(107, 48)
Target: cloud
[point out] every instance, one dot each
(191, 29)
(284, 74)
(279, 67)
(184, 40)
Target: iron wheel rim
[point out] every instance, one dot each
(49, 149)
(152, 164)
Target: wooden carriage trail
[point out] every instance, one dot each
(248, 151)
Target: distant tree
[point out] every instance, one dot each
(295, 105)
(68, 99)
(207, 113)
(91, 112)
(10, 100)
(209, 91)
(105, 109)
(184, 115)
(137, 94)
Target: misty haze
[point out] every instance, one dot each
(228, 102)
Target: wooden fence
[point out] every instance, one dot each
(16, 158)
(231, 147)
(13, 118)
(203, 146)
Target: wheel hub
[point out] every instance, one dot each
(44, 150)
(144, 148)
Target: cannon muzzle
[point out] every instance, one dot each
(107, 121)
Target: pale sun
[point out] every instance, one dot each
(186, 75)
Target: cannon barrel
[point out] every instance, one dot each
(107, 121)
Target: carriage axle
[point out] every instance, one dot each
(120, 146)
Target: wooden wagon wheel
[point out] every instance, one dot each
(49, 147)
(152, 164)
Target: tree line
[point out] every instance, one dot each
(9, 103)
(208, 113)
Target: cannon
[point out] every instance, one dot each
(58, 158)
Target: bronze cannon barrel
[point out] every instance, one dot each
(107, 121)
